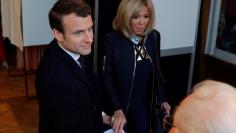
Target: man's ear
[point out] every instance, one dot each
(57, 34)
(175, 130)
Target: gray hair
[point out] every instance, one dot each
(211, 108)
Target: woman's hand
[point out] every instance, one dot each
(166, 107)
(118, 121)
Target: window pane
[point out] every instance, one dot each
(226, 33)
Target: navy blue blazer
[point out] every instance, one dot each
(69, 100)
(119, 67)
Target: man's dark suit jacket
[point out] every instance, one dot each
(69, 100)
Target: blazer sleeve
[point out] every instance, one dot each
(161, 95)
(108, 75)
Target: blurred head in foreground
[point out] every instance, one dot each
(211, 108)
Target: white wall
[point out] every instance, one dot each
(36, 29)
(177, 21)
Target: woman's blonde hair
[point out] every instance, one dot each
(129, 8)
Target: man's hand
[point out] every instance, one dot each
(106, 119)
(118, 121)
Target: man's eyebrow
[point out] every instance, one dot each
(82, 30)
(78, 31)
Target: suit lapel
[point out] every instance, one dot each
(75, 68)
(86, 77)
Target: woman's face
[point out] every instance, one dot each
(140, 21)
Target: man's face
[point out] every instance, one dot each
(78, 34)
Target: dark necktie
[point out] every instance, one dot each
(82, 63)
(84, 66)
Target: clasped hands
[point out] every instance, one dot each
(117, 121)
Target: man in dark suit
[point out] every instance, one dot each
(67, 91)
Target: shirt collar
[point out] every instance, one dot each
(75, 56)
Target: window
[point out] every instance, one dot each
(221, 41)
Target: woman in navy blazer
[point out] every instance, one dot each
(131, 73)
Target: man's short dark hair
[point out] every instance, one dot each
(66, 7)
